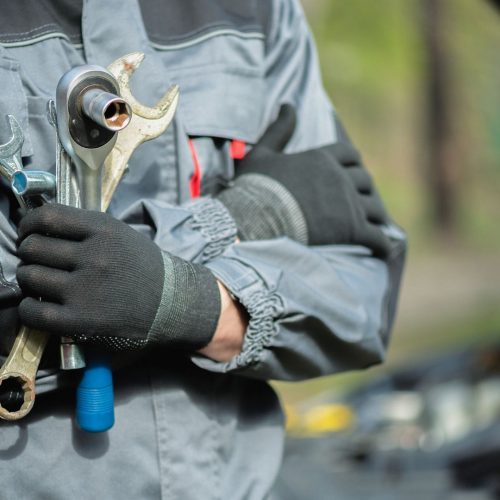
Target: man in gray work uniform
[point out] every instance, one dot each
(286, 267)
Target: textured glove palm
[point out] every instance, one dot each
(92, 277)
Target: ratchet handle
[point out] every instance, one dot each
(94, 396)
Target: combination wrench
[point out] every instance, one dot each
(18, 373)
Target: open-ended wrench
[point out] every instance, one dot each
(19, 370)
(152, 122)
(146, 123)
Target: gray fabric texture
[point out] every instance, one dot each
(264, 209)
(313, 311)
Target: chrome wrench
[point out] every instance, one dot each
(71, 354)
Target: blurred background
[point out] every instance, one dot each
(417, 84)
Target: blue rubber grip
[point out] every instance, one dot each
(94, 396)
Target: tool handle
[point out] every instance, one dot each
(94, 396)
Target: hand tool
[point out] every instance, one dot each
(70, 353)
(146, 123)
(31, 183)
(89, 115)
(10, 159)
(19, 370)
(151, 123)
(86, 144)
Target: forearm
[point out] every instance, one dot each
(227, 341)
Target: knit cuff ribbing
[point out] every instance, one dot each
(189, 307)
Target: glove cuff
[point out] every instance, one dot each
(263, 209)
(189, 307)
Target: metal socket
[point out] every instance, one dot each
(108, 110)
(33, 182)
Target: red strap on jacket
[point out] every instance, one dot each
(195, 181)
(237, 149)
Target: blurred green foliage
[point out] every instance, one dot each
(374, 68)
(374, 64)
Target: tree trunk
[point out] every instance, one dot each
(440, 173)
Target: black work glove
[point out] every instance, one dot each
(89, 276)
(317, 197)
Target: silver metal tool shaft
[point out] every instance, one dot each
(70, 353)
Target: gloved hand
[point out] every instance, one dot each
(317, 197)
(89, 276)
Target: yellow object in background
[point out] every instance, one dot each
(321, 419)
(328, 418)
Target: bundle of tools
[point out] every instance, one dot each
(98, 125)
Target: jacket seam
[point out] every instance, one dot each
(207, 36)
(204, 29)
(47, 35)
(38, 28)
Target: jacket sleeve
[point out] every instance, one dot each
(313, 310)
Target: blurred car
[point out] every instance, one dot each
(429, 431)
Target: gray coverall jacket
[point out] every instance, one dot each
(188, 427)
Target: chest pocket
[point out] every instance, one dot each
(13, 101)
(222, 99)
(222, 106)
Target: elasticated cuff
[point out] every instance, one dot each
(263, 307)
(189, 307)
(212, 219)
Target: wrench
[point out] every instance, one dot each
(71, 354)
(25, 356)
(90, 112)
(146, 123)
(10, 159)
(19, 370)
(89, 152)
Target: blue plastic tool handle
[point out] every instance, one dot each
(94, 396)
